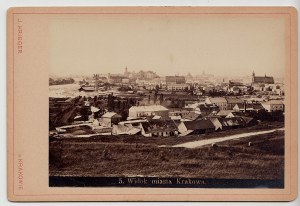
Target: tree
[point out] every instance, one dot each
(155, 97)
(161, 98)
(157, 88)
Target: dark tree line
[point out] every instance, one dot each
(61, 81)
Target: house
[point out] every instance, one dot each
(135, 123)
(191, 116)
(216, 123)
(155, 128)
(232, 101)
(147, 111)
(273, 105)
(248, 107)
(249, 121)
(221, 102)
(180, 112)
(196, 127)
(207, 109)
(110, 118)
(226, 113)
(125, 130)
(176, 119)
(232, 123)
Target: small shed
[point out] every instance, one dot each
(110, 118)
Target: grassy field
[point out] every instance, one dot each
(132, 156)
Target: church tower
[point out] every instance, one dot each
(253, 75)
(126, 74)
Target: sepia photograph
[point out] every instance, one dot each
(167, 100)
(152, 104)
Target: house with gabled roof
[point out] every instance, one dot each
(249, 121)
(232, 123)
(227, 113)
(191, 116)
(207, 109)
(232, 101)
(273, 105)
(216, 123)
(248, 107)
(110, 118)
(221, 102)
(196, 127)
(155, 128)
(148, 111)
(125, 130)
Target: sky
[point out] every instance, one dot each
(168, 44)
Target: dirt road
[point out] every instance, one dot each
(201, 143)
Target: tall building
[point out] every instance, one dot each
(262, 79)
(259, 83)
(175, 80)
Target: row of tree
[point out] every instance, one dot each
(61, 81)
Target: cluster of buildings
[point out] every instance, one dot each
(208, 105)
(199, 85)
(212, 114)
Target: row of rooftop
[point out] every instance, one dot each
(213, 114)
(264, 84)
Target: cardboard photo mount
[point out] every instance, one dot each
(28, 50)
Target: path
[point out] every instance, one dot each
(204, 142)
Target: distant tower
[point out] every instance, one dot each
(253, 75)
(126, 72)
(96, 78)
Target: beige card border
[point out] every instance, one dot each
(148, 194)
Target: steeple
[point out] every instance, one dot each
(126, 72)
(253, 76)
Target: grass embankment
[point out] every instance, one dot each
(132, 156)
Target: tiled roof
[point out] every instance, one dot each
(247, 119)
(224, 112)
(234, 121)
(199, 124)
(191, 116)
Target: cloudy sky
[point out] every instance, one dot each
(168, 44)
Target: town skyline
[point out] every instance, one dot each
(184, 73)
